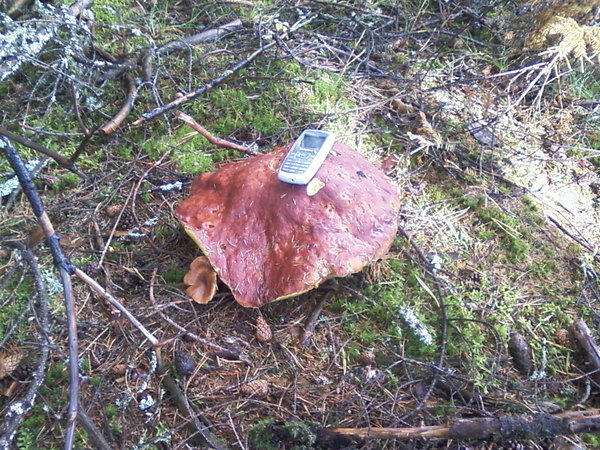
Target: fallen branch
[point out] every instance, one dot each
(212, 139)
(587, 343)
(65, 269)
(210, 35)
(60, 159)
(187, 409)
(17, 410)
(504, 428)
(216, 81)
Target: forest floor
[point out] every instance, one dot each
(485, 114)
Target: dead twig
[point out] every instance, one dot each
(588, 344)
(210, 35)
(111, 125)
(65, 269)
(502, 428)
(201, 90)
(100, 442)
(572, 236)
(17, 410)
(311, 323)
(218, 80)
(193, 336)
(60, 159)
(444, 325)
(114, 302)
(188, 409)
(212, 139)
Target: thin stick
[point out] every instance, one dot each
(194, 336)
(571, 235)
(188, 409)
(212, 34)
(114, 302)
(60, 159)
(216, 81)
(65, 269)
(100, 442)
(112, 124)
(444, 327)
(211, 138)
(17, 410)
(201, 90)
(311, 323)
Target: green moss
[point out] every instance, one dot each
(592, 439)
(174, 274)
(22, 291)
(543, 269)
(66, 180)
(270, 435)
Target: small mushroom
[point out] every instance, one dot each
(202, 280)
(269, 240)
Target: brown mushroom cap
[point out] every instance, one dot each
(270, 240)
(202, 280)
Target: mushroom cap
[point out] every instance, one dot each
(269, 240)
(202, 280)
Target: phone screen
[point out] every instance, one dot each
(312, 143)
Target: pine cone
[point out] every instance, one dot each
(9, 363)
(263, 330)
(256, 388)
(563, 338)
(184, 363)
(367, 358)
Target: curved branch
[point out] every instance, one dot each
(17, 410)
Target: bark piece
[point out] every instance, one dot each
(269, 240)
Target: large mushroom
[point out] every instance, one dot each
(269, 240)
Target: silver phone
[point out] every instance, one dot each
(306, 156)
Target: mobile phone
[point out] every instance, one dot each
(306, 156)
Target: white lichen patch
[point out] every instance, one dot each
(408, 317)
(52, 283)
(11, 184)
(16, 408)
(558, 184)
(23, 41)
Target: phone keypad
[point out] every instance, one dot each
(298, 164)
